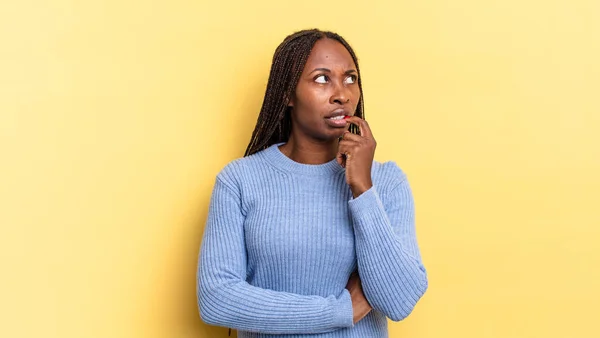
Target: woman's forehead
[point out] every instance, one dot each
(331, 54)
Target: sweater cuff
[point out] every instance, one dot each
(343, 315)
(365, 203)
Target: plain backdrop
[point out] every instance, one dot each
(115, 117)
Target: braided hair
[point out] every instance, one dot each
(274, 123)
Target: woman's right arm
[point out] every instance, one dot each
(226, 299)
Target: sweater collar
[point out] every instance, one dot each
(275, 157)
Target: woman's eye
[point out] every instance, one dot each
(351, 79)
(321, 79)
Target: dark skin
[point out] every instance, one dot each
(329, 84)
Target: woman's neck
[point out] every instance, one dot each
(309, 151)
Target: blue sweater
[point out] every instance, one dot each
(282, 239)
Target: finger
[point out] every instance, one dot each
(348, 143)
(351, 281)
(353, 284)
(341, 157)
(340, 160)
(348, 136)
(347, 146)
(363, 126)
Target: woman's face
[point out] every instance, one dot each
(328, 87)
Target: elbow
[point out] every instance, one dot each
(210, 309)
(409, 303)
(216, 302)
(398, 316)
(211, 317)
(208, 316)
(206, 310)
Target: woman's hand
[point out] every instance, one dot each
(355, 153)
(360, 305)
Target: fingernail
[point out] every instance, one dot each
(346, 117)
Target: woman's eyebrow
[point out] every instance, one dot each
(327, 70)
(321, 69)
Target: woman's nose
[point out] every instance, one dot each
(340, 95)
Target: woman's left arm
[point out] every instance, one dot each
(389, 263)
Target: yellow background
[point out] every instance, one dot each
(115, 116)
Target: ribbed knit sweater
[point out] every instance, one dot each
(282, 239)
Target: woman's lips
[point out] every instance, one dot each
(337, 121)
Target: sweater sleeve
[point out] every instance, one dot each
(389, 263)
(226, 299)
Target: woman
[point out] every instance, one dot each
(307, 236)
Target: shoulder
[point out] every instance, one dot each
(239, 169)
(387, 175)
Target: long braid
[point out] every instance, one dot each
(274, 121)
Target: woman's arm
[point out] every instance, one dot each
(389, 263)
(226, 299)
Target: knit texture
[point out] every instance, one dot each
(282, 239)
